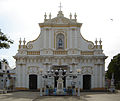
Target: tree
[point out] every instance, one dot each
(4, 41)
(114, 67)
(5, 61)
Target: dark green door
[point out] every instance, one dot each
(86, 82)
(32, 81)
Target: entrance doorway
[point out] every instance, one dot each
(86, 82)
(55, 82)
(33, 82)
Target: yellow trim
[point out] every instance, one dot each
(19, 46)
(21, 88)
(87, 53)
(33, 52)
(24, 46)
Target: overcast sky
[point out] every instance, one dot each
(100, 18)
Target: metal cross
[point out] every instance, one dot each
(60, 6)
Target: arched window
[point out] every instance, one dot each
(60, 41)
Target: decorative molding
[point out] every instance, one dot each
(29, 46)
(33, 52)
(59, 52)
(65, 25)
(87, 52)
(33, 70)
(91, 46)
(87, 70)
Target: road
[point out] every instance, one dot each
(85, 96)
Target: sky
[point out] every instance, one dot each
(100, 18)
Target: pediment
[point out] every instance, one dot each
(60, 20)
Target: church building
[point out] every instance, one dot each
(60, 54)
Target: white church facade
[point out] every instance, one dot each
(60, 54)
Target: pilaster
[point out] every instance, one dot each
(70, 38)
(44, 32)
(100, 79)
(76, 38)
(50, 38)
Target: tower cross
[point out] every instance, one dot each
(60, 6)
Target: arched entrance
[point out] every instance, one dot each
(33, 81)
(86, 82)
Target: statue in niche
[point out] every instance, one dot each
(60, 41)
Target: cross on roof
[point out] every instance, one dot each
(60, 6)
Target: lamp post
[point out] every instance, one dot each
(78, 81)
(41, 82)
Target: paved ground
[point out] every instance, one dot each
(85, 96)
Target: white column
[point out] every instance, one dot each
(40, 84)
(24, 77)
(76, 38)
(27, 81)
(17, 76)
(22, 73)
(44, 33)
(38, 81)
(101, 76)
(95, 77)
(70, 38)
(81, 81)
(98, 76)
(49, 38)
(92, 81)
(73, 38)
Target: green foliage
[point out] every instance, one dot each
(114, 67)
(5, 61)
(4, 41)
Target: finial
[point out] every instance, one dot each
(24, 41)
(75, 16)
(45, 15)
(96, 41)
(50, 16)
(20, 41)
(70, 16)
(100, 41)
(60, 6)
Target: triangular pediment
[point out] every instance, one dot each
(60, 20)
